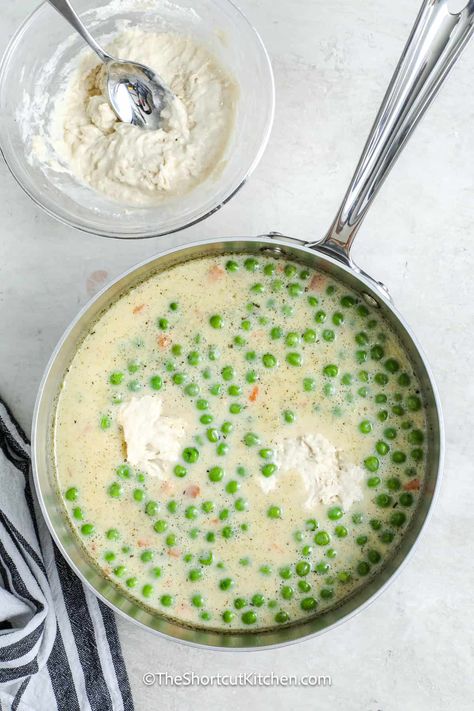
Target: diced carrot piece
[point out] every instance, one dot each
(254, 394)
(193, 490)
(138, 309)
(142, 542)
(174, 552)
(317, 281)
(163, 340)
(216, 272)
(413, 485)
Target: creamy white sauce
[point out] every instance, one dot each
(152, 439)
(135, 166)
(325, 473)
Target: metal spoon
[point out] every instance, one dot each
(135, 92)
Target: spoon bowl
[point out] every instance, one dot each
(135, 92)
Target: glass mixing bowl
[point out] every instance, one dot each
(39, 57)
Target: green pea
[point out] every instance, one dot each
(202, 404)
(331, 370)
(295, 289)
(383, 500)
(109, 556)
(302, 568)
(327, 593)
(156, 383)
(265, 570)
(226, 583)
(216, 474)
(381, 379)
(341, 531)
(294, 359)
(387, 537)
(413, 403)
(335, 513)
(241, 505)
(194, 358)
(416, 437)
(213, 353)
(232, 487)
(347, 301)
(87, 529)
(195, 574)
(147, 590)
(398, 518)
(228, 372)
(371, 464)
(363, 568)
(292, 339)
(116, 378)
(228, 616)
(268, 469)
(119, 571)
(232, 266)
(373, 481)
(115, 490)
(406, 499)
(382, 448)
(269, 360)
(322, 538)
(320, 316)
(392, 365)
(216, 321)
(382, 415)
(235, 408)
(105, 422)
(309, 384)
(308, 604)
(380, 398)
(146, 556)
(166, 600)
(180, 471)
(322, 568)
(289, 416)
(274, 512)
(361, 540)
(304, 586)
(251, 264)
(151, 508)
(375, 524)
(160, 526)
(249, 617)
(78, 513)
(206, 559)
(287, 592)
(393, 484)
(399, 457)
(377, 352)
(112, 534)
(328, 335)
(191, 512)
(365, 427)
(190, 455)
(222, 449)
(71, 494)
(374, 556)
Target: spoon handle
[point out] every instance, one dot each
(64, 8)
(436, 41)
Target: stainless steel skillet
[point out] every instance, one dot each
(434, 45)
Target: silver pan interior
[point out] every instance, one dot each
(45, 476)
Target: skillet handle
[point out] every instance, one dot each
(436, 41)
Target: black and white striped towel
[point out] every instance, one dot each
(59, 647)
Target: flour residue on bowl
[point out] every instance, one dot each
(126, 163)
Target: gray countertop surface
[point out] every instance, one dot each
(413, 648)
